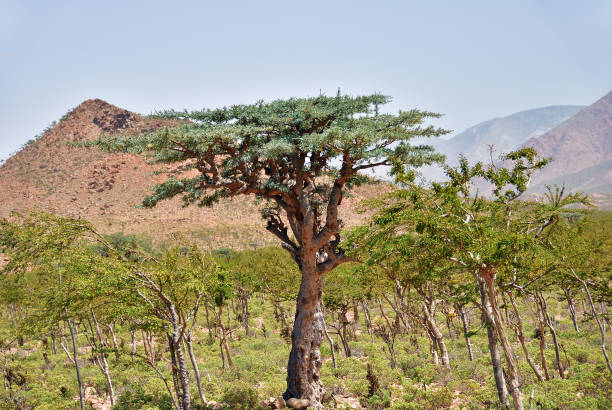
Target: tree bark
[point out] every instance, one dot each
(553, 333)
(343, 333)
(76, 363)
(223, 339)
(196, 370)
(175, 379)
(542, 329)
(521, 337)
(366, 313)
(602, 328)
(303, 377)
(433, 347)
(464, 322)
(182, 367)
(515, 391)
(498, 370)
(111, 329)
(244, 304)
(571, 307)
(429, 307)
(331, 342)
(103, 360)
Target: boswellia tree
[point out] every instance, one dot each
(301, 155)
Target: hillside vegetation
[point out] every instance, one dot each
(425, 296)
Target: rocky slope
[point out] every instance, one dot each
(107, 188)
(505, 134)
(581, 150)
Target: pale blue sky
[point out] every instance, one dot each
(471, 60)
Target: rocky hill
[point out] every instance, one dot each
(505, 133)
(581, 149)
(107, 188)
(502, 134)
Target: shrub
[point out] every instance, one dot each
(241, 398)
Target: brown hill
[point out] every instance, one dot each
(581, 148)
(106, 188)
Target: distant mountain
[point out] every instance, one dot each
(505, 134)
(581, 150)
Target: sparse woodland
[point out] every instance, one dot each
(445, 299)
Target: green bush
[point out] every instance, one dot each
(241, 397)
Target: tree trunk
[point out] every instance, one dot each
(571, 307)
(553, 333)
(433, 347)
(76, 363)
(103, 360)
(303, 377)
(229, 320)
(542, 329)
(515, 391)
(602, 329)
(344, 336)
(244, 304)
(210, 335)
(133, 336)
(498, 370)
(366, 313)
(196, 370)
(429, 310)
(175, 371)
(111, 329)
(223, 339)
(521, 337)
(331, 342)
(182, 367)
(464, 322)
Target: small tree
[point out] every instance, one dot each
(300, 155)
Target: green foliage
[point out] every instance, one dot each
(270, 136)
(241, 397)
(138, 399)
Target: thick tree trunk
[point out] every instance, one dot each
(303, 377)
(498, 370)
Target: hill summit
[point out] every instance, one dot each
(581, 149)
(107, 189)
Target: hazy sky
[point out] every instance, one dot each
(471, 60)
